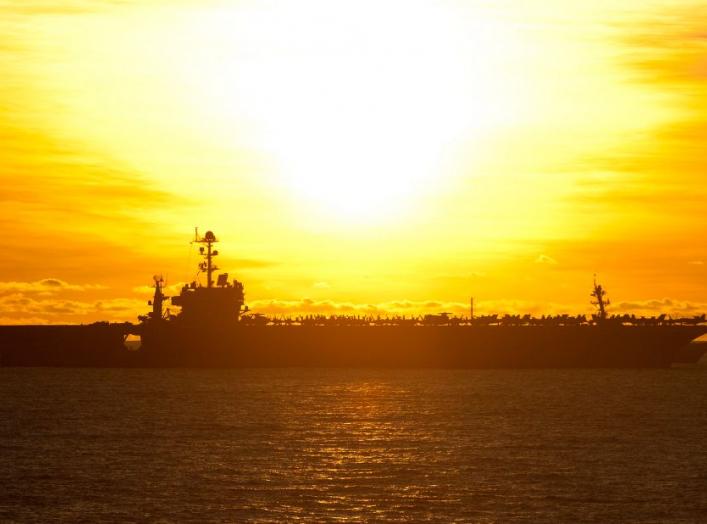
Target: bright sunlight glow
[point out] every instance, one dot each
(361, 107)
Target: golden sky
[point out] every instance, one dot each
(388, 155)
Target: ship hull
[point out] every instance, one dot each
(171, 344)
(417, 346)
(95, 345)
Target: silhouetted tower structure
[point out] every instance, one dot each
(208, 253)
(158, 298)
(157, 302)
(219, 301)
(599, 293)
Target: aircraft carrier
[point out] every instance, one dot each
(215, 329)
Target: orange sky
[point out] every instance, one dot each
(354, 156)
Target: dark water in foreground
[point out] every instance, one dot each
(283, 445)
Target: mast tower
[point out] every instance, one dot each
(208, 253)
(599, 293)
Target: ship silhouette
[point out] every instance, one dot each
(214, 328)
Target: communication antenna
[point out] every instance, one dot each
(599, 293)
(208, 253)
(158, 298)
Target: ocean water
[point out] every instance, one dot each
(353, 445)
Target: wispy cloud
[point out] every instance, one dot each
(66, 7)
(660, 172)
(61, 200)
(484, 307)
(55, 301)
(670, 306)
(405, 307)
(44, 286)
(52, 300)
(545, 259)
(18, 308)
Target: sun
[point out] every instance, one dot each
(361, 106)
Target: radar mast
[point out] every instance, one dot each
(599, 293)
(208, 253)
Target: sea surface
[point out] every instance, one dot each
(88, 445)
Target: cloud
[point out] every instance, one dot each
(670, 46)
(62, 201)
(64, 7)
(27, 306)
(481, 307)
(662, 255)
(24, 305)
(652, 183)
(408, 307)
(120, 306)
(19, 308)
(54, 301)
(658, 306)
(545, 259)
(46, 286)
